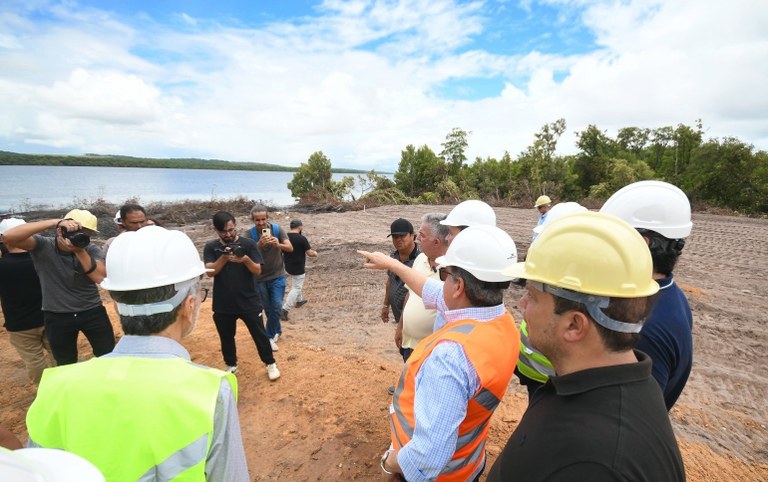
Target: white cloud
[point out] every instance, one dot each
(358, 80)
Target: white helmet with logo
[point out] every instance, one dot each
(470, 213)
(483, 251)
(654, 205)
(149, 258)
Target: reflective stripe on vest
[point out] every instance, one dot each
(492, 348)
(532, 363)
(134, 418)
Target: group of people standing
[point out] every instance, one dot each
(605, 344)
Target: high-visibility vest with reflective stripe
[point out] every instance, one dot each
(134, 418)
(492, 348)
(532, 363)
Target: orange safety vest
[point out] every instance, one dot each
(492, 347)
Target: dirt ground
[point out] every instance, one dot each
(326, 417)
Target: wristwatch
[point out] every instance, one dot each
(384, 461)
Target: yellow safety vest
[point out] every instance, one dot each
(134, 418)
(532, 363)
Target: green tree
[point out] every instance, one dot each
(620, 172)
(728, 174)
(419, 171)
(453, 150)
(315, 176)
(592, 163)
(540, 171)
(493, 179)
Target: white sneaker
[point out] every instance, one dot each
(231, 369)
(272, 372)
(273, 344)
(276, 337)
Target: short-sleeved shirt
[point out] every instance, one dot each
(296, 261)
(606, 423)
(20, 293)
(234, 287)
(272, 255)
(65, 288)
(397, 288)
(418, 320)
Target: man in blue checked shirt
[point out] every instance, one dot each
(455, 378)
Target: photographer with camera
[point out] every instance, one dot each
(235, 261)
(69, 267)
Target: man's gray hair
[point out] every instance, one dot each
(259, 208)
(440, 231)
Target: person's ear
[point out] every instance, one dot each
(577, 327)
(187, 308)
(458, 290)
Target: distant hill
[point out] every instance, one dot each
(108, 160)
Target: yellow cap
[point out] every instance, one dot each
(591, 253)
(84, 218)
(542, 200)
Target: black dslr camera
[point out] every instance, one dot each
(232, 248)
(78, 238)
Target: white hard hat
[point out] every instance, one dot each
(557, 212)
(470, 213)
(654, 205)
(9, 223)
(483, 251)
(149, 258)
(46, 465)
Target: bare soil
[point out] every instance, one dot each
(326, 417)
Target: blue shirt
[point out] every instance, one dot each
(444, 385)
(666, 337)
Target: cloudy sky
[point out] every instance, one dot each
(274, 81)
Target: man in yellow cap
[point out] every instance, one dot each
(543, 205)
(69, 267)
(601, 416)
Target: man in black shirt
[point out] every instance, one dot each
(406, 250)
(235, 261)
(22, 300)
(602, 416)
(295, 262)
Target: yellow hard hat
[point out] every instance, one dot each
(84, 218)
(542, 200)
(590, 253)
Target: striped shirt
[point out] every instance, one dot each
(444, 385)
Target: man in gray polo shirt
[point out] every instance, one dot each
(69, 268)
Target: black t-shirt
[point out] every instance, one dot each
(598, 424)
(20, 292)
(397, 287)
(234, 287)
(295, 261)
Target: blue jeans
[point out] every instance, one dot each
(271, 293)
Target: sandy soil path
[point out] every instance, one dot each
(326, 418)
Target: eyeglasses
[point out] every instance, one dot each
(204, 294)
(227, 231)
(445, 273)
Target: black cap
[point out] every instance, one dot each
(295, 223)
(400, 226)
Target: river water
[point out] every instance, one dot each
(24, 188)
